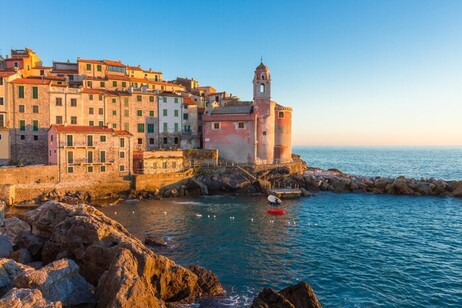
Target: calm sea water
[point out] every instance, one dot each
(356, 250)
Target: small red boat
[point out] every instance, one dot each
(276, 211)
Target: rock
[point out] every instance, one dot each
(59, 281)
(14, 227)
(121, 286)
(424, 189)
(456, 189)
(207, 281)
(339, 184)
(400, 186)
(33, 243)
(268, 298)
(2, 212)
(301, 295)
(305, 192)
(27, 298)
(21, 255)
(9, 269)
(155, 241)
(95, 242)
(381, 183)
(5, 246)
(440, 187)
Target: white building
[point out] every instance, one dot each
(170, 120)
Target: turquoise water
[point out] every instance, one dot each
(356, 250)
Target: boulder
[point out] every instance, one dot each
(380, 183)
(121, 286)
(268, 298)
(58, 281)
(2, 212)
(424, 188)
(14, 226)
(400, 186)
(340, 184)
(33, 243)
(456, 189)
(154, 241)
(440, 187)
(207, 281)
(5, 246)
(21, 255)
(27, 298)
(301, 295)
(9, 269)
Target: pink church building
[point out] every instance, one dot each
(258, 132)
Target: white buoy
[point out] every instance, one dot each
(251, 219)
(165, 213)
(133, 212)
(214, 216)
(115, 213)
(208, 216)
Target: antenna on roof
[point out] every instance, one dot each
(261, 59)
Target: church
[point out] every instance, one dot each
(257, 132)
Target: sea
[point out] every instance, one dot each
(355, 249)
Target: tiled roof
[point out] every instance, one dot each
(280, 107)
(90, 61)
(189, 101)
(82, 129)
(6, 73)
(122, 133)
(38, 81)
(113, 63)
(116, 77)
(245, 109)
(95, 78)
(93, 91)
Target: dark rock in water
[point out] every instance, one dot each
(268, 298)
(27, 298)
(300, 295)
(5, 246)
(59, 281)
(207, 281)
(154, 241)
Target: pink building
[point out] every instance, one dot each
(258, 132)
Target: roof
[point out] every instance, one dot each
(280, 107)
(116, 77)
(245, 109)
(88, 129)
(7, 73)
(189, 101)
(114, 63)
(90, 61)
(38, 81)
(262, 67)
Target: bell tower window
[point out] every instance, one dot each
(263, 77)
(262, 88)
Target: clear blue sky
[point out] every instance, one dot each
(355, 72)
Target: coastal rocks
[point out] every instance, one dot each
(2, 212)
(207, 281)
(154, 241)
(5, 246)
(27, 298)
(13, 227)
(300, 295)
(9, 270)
(58, 281)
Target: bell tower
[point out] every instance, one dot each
(264, 109)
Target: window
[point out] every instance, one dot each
(121, 154)
(187, 128)
(100, 97)
(164, 112)
(1, 101)
(165, 140)
(90, 140)
(1, 81)
(2, 120)
(121, 168)
(114, 112)
(69, 140)
(22, 125)
(88, 67)
(185, 106)
(164, 165)
(151, 140)
(113, 100)
(35, 137)
(51, 138)
(175, 113)
(102, 84)
(35, 109)
(91, 110)
(126, 113)
(100, 111)
(122, 142)
(174, 164)
(185, 116)
(125, 101)
(102, 156)
(102, 138)
(90, 169)
(176, 127)
(281, 115)
(127, 126)
(23, 137)
(74, 102)
(91, 123)
(90, 97)
(150, 128)
(59, 119)
(100, 123)
(70, 169)
(114, 125)
(164, 99)
(21, 91)
(74, 120)
(90, 157)
(140, 128)
(98, 67)
(21, 108)
(176, 140)
(70, 157)
(124, 84)
(165, 128)
(35, 92)
(139, 98)
(139, 113)
(216, 125)
(240, 125)
(59, 101)
(89, 84)
(151, 113)
(264, 133)
(114, 84)
(102, 169)
(35, 125)
(262, 88)
(176, 100)
(151, 99)
(140, 141)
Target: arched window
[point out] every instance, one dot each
(263, 77)
(262, 88)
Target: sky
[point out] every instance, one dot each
(355, 72)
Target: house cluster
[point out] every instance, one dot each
(96, 116)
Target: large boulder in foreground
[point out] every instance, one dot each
(27, 298)
(104, 250)
(300, 295)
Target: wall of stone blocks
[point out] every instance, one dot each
(151, 182)
(29, 175)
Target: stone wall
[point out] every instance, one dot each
(29, 175)
(152, 182)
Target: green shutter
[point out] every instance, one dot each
(22, 125)
(21, 91)
(150, 128)
(35, 125)
(35, 92)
